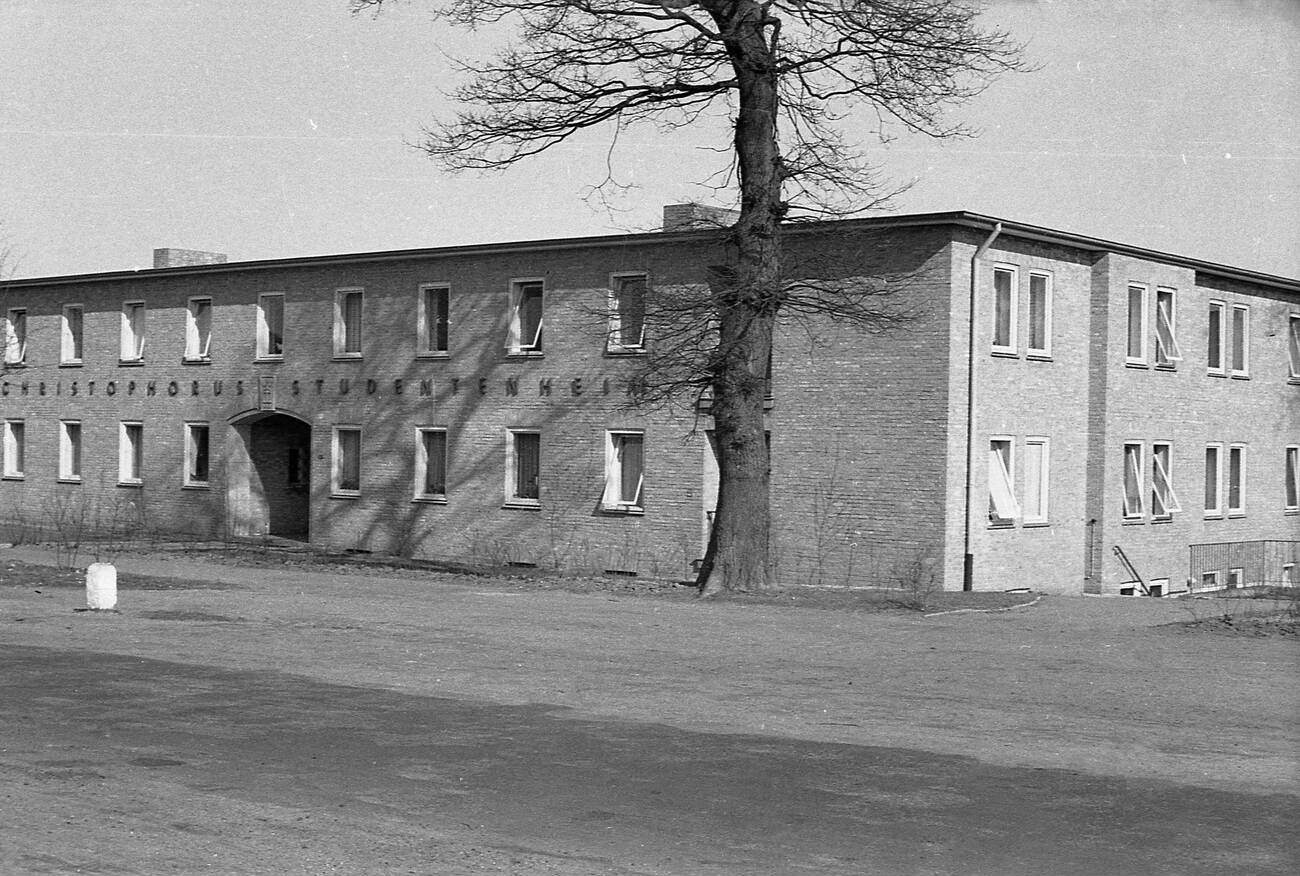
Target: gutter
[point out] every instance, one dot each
(968, 558)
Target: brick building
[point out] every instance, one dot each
(1107, 409)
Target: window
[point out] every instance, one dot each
(1293, 345)
(15, 336)
(130, 454)
(196, 454)
(434, 307)
(627, 299)
(198, 329)
(1215, 329)
(347, 323)
(69, 450)
(1136, 353)
(523, 468)
(70, 334)
(624, 471)
(1167, 350)
(132, 349)
(1004, 310)
(1236, 578)
(1236, 485)
(1036, 469)
(1133, 478)
(1292, 475)
(431, 464)
(1213, 480)
(526, 317)
(15, 447)
(1003, 508)
(1164, 501)
(270, 326)
(1040, 314)
(1239, 351)
(346, 480)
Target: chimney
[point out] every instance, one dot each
(170, 257)
(688, 217)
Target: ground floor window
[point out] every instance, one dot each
(1292, 474)
(15, 448)
(1236, 480)
(431, 464)
(1134, 470)
(1003, 508)
(70, 450)
(524, 468)
(1037, 465)
(130, 455)
(1164, 501)
(346, 479)
(624, 471)
(196, 454)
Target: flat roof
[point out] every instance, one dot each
(961, 218)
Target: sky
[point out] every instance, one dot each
(283, 128)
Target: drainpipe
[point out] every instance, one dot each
(968, 561)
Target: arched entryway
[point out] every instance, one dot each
(270, 477)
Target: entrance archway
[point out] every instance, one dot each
(270, 480)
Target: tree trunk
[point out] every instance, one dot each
(739, 555)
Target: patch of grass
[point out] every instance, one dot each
(19, 574)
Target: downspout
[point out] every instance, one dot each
(968, 560)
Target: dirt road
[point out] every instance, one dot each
(295, 722)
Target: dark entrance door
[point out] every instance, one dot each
(279, 448)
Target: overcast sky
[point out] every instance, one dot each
(274, 128)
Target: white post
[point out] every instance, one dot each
(101, 586)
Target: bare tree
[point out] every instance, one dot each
(788, 73)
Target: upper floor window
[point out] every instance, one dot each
(624, 471)
(1167, 349)
(1215, 325)
(70, 334)
(432, 319)
(347, 323)
(16, 336)
(1136, 349)
(15, 448)
(1040, 314)
(70, 450)
(270, 326)
(132, 346)
(431, 464)
(1005, 305)
(1239, 345)
(1004, 510)
(198, 329)
(526, 317)
(1164, 501)
(627, 303)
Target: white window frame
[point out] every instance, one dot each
(1293, 345)
(1045, 351)
(1004, 510)
(1244, 370)
(1238, 510)
(1291, 477)
(264, 352)
(613, 498)
(1217, 473)
(191, 453)
(337, 461)
(1042, 493)
(134, 328)
(341, 330)
(1220, 337)
(1145, 321)
(427, 334)
(1236, 578)
(1013, 305)
(1164, 503)
(617, 282)
(1139, 474)
(1168, 352)
(15, 352)
(511, 483)
(517, 345)
(422, 464)
(15, 449)
(70, 451)
(197, 348)
(130, 453)
(72, 346)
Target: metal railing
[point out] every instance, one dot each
(1232, 564)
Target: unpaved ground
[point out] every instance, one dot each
(299, 721)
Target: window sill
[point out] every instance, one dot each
(268, 360)
(130, 363)
(201, 487)
(1156, 521)
(1290, 512)
(349, 494)
(1213, 515)
(196, 360)
(1293, 380)
(135, 485)
(1037, 524)
(346, 357)
(70, 363)
(1143, 366)
(15, 365)
(524, 354)
(1170, 368)
(430, 500)
(623, 510)
(67, 480)
(1241, 376)
(433, 354)
(1004, 354)
(623, 352)
(1133, 521)
(1039, 357)
(1002, 526)
(523, 504)
(1215, 373)
(1236, 515)
(13, 477)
